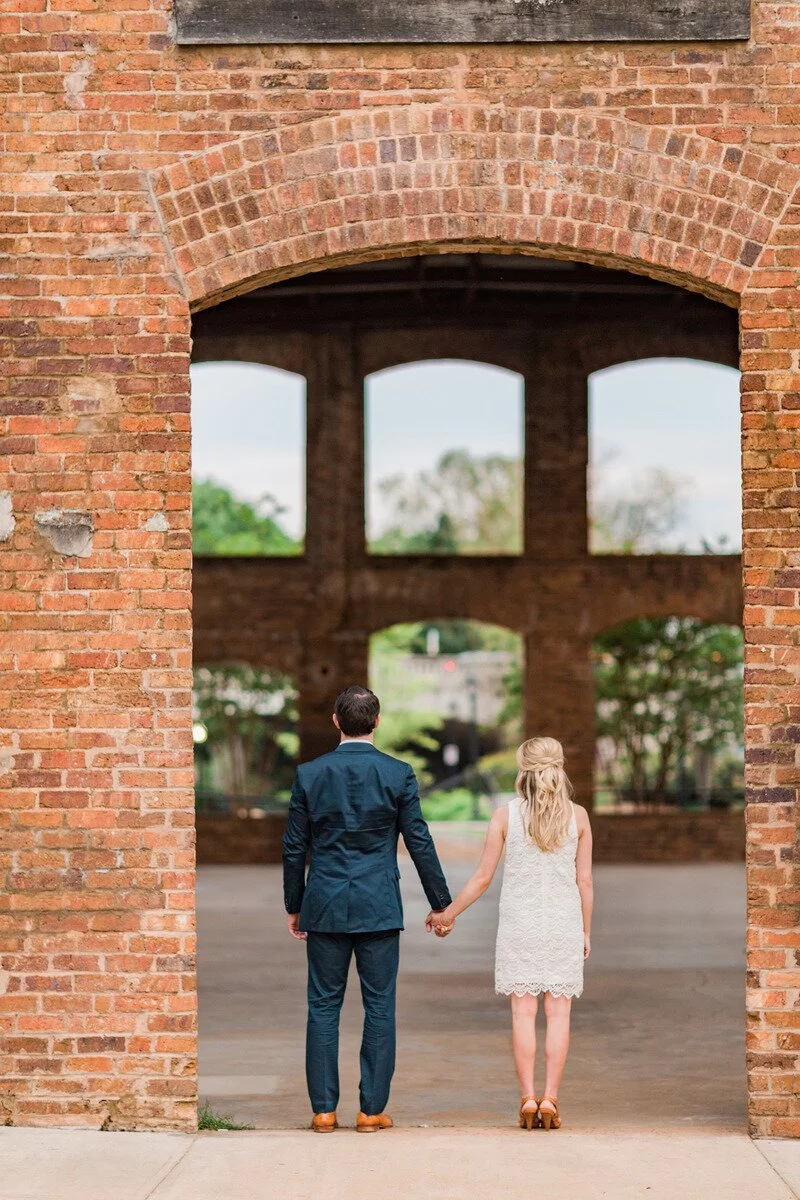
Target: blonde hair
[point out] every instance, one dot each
(545, 792)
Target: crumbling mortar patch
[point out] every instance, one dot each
(68, 530)
(7, 522)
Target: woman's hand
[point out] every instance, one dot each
(440, 923)
(587, 945)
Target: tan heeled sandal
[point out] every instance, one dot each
(528, 1116)
(549, 1118)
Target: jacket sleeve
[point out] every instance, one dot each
(419, 843)
(296, 841)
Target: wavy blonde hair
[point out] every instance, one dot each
(545, 792)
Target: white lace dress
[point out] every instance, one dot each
(540, 935)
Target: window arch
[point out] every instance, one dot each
(444, 458)
(665, 461)
(248, 459)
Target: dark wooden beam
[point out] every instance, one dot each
(345, 21)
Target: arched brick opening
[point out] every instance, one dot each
(399, 180)
(434, 178)
(681, 208)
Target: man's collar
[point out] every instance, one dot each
(355, 745)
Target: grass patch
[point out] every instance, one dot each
(208, 1119)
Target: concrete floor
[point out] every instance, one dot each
(58, 1164)
(658, 1037)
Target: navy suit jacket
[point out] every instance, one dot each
(349, 808)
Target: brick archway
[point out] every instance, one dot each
(675, 206)
(98, 977)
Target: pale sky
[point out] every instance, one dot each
(682, 416)
(249, 429)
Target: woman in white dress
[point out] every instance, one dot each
(545, 915)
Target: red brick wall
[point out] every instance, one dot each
(138, 179)
(678, 837)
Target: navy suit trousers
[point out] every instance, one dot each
(377, 958)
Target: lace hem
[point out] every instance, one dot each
(571, 991)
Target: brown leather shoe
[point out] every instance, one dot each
(365, 1124)
(324, 1122)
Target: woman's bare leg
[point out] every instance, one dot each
(557, 1010)
(523, 1027)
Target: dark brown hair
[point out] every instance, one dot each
(357, 710)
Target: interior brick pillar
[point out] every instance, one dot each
(559, 688)
(334, 457)
(329, 664)
(332, 656)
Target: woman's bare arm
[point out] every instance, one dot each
(477, 885)
(583, 871)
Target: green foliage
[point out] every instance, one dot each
(250, 716)
(403, 730)
(463, 505)
(406, 733)
(455, 637)
(455, 805)
(501, 769)
(207, 1119)
(221, 524)
(439, 540)
(665, 687)
(512, 711)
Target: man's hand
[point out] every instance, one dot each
(437, 922)
(293, 923)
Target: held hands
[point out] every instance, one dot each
(293, 923)
(439, 922)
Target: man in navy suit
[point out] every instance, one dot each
(348, 809)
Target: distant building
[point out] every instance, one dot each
(444, 683)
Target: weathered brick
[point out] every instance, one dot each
(681, 163)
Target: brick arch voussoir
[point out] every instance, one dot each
(417, 179)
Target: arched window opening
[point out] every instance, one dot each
(245, 738)
(451, 694)
(665, 466)
(444, 459)
(248, 460)
(670, 715)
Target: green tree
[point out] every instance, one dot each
(664, 688)
(249, 716)
(463, 505)
(221, 524)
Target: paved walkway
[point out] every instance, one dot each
(654, 1099)
(401, 1165)
(658, 1039)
